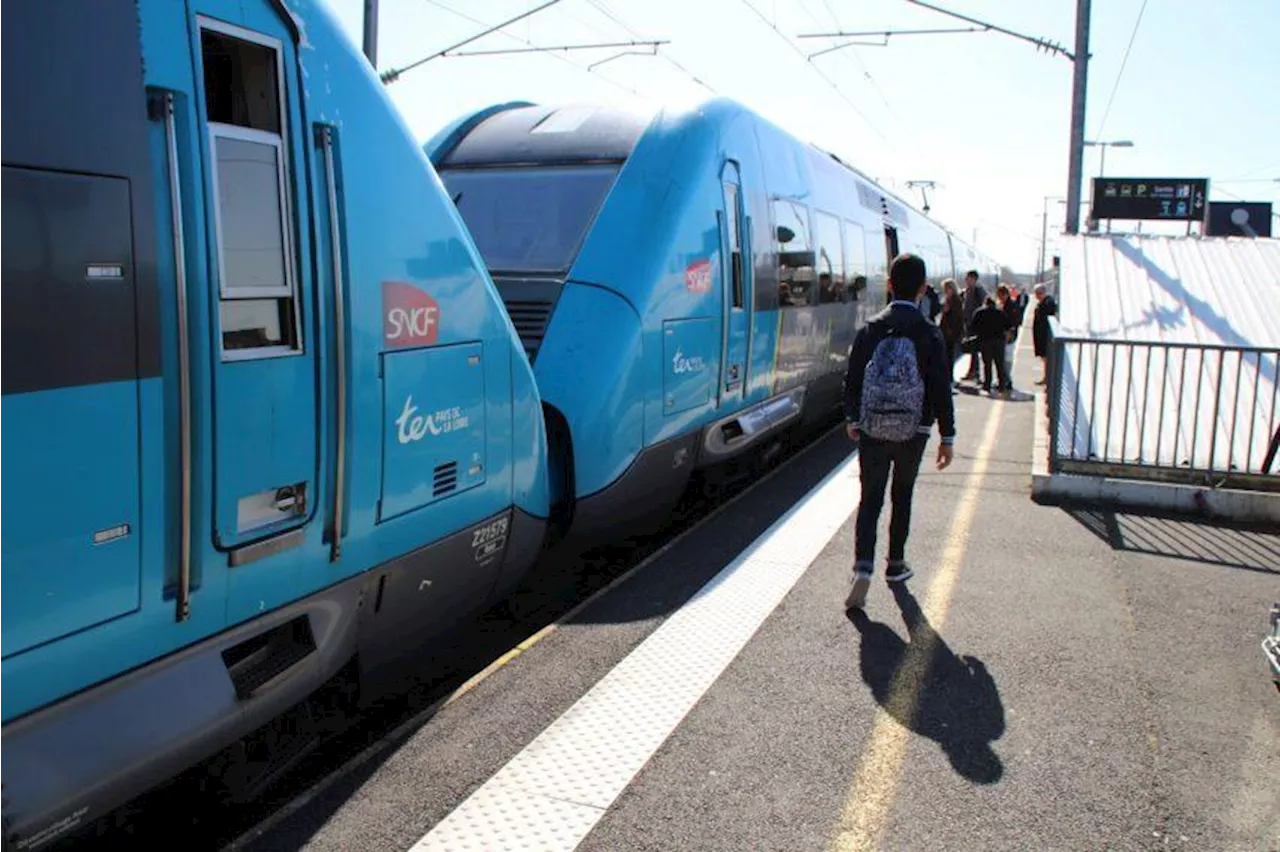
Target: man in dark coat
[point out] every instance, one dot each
(1045, 307)
(972, 299)
(990, 325)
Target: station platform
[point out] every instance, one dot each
(1050, 679)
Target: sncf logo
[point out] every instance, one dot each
(409, 316)
(697, 277)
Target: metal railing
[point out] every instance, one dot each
(1181, 412)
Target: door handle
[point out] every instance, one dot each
(165, 106)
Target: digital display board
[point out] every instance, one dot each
(1168, 199)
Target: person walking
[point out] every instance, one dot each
(896, 387)
(1045, 307)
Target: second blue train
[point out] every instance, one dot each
(687, 286)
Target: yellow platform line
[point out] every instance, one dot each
(866, 808)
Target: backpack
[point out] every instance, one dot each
(893, 390)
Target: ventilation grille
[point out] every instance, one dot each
(530, 319)
(446, 478)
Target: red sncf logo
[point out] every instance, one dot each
(697, 277)
(409, 316)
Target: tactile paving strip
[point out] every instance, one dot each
(550, 795)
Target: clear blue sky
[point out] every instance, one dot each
(984, 115)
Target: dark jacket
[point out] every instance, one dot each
(1013, 311)
(931, 305)
(989, 325)
(972, 300)
(934, 367)
(952, 322)
(1040, 325)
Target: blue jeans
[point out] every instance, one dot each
(876, 459)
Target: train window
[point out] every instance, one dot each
(243, 101)
(830, 257)
(856, 260)
(795, 254)
(529, 219)
(731, 213)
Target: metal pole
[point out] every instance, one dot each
(1079, 84)
(371, 31)
(1102, 172)
(1044, 237)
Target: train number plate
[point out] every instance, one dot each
(486, 541)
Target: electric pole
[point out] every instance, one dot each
(371, 32)
(1075, 168)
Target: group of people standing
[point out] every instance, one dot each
(983, 326)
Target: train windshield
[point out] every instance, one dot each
(529, 219)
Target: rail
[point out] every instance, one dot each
(1177, 412)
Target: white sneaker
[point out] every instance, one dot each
(858, 594)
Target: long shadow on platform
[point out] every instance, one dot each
(1227, 545)
(931, 691)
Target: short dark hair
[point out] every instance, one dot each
(906, 275)
(972, 273)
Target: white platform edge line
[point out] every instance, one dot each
(588, 756)
(413, 723)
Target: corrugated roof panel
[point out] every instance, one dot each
(1172, 289)
(1167, 401)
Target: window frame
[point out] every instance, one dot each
(737, 284)
(282, 144)
(839, 274)
(804, 214)
(855, 235)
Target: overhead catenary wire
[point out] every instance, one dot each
(609, 13)
(665, 55)
(865, 72)
(553, 55)
(393, 74)
(1120, 74)
(870, 124)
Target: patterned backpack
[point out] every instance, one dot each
(893, 391)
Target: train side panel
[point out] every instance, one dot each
(367, 451)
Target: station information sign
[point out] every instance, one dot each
(1168, 199)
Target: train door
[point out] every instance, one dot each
(261, 343)
(736, 275)
(890, 252)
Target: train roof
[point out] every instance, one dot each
(545, 134)
(523, 133)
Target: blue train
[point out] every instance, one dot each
(269, 422)
(264, 413)
(687, 286)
